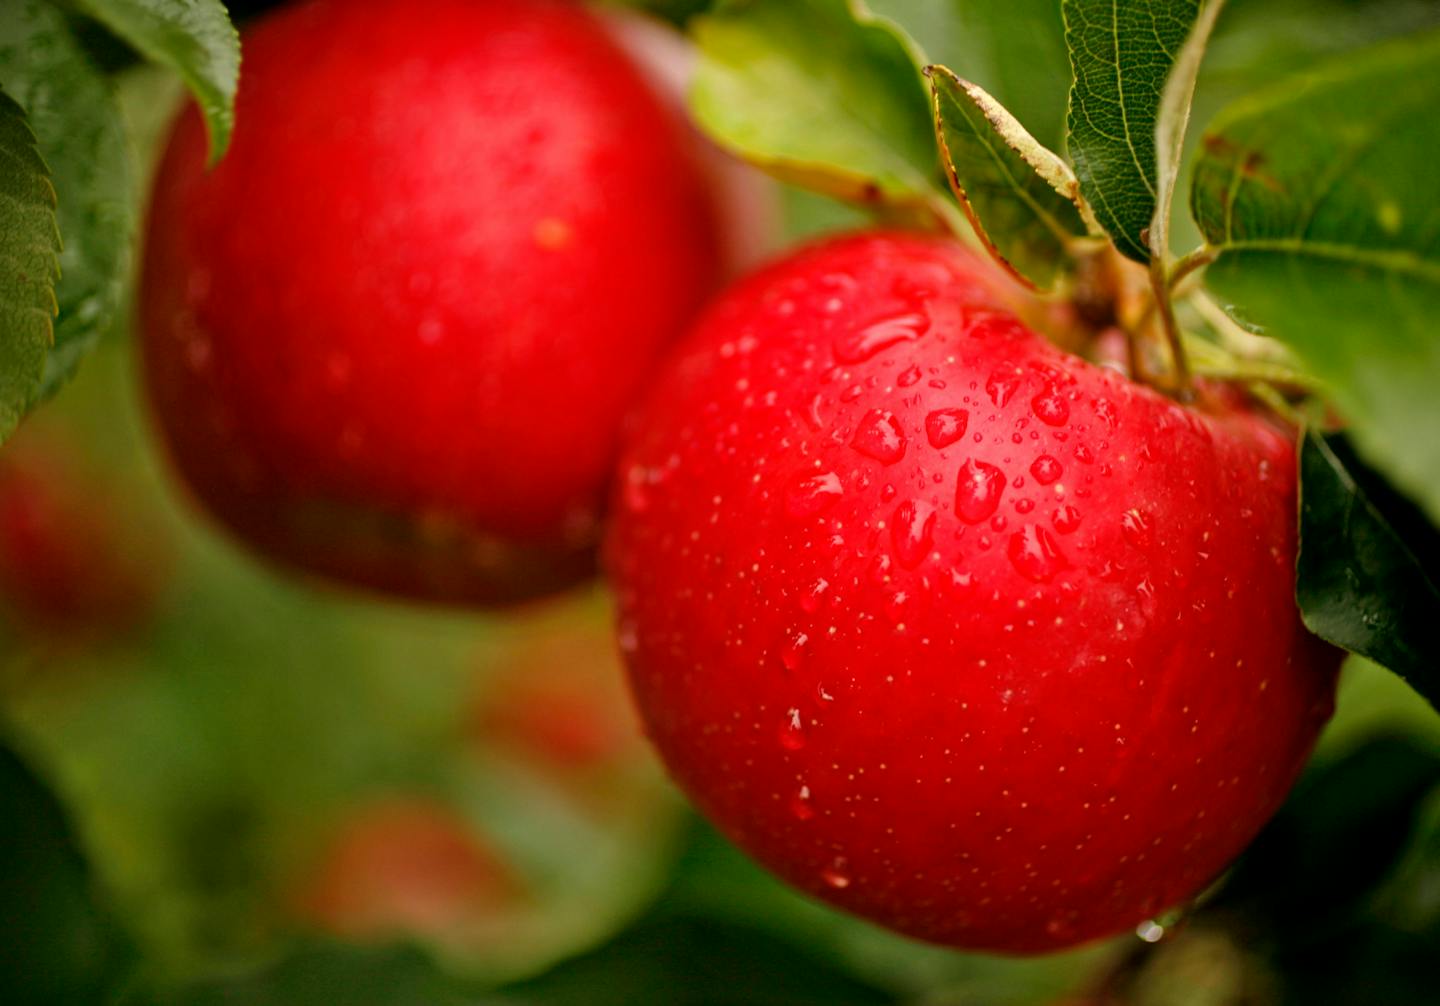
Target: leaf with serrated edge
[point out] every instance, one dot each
(193, 37)
(81, 137)
(29, 263)
(1121, 52)
(1362, 576)
(1020, 197)
(1318, 194)
(820, 93)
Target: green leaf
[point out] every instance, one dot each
(29, 263)
(1337, 837)
(81, 137)
(193, 37)
(819, 93)
(1363, 576)
(1260, 42)
(1020, 197)
(1319, 194)
(60, 945)
(1121, 52)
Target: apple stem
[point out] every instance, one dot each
(1160, 281)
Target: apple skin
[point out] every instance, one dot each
(950, 628)
(391, 337)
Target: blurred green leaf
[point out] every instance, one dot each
(326, 975)
(1365, 566)
(29, 262)
(684, 961)
(81, 137)
(57, 944)
(1121, 52)
(193, 37)
(820, 94)
(1020, 197)
(1337, 837)
(1317, 193)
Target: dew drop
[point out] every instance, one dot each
(945, 426)
(1050, 407)
(1136, 528)
(810, 600)
(1024, 505)
(908, 377)
(977, 493)
(1002, 384)
(1083, 455)
(792, 653)
(812, 494)
(854, 347)
(879, 436)
(1065, 519)
(910, 530)
(835, 875)
(800, 807)
(887, 493)
(1046, 469)
(1105, 412)
(792, 736)
(1034, 554)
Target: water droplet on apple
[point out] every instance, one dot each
(792, 734)
(836, 875)
(1065, 519)
(1002, 384)
(1034, 554)
(1046, 469)
(812, 494)
(908, 377)
(858, 346)
(792, 653)
(910, 530)
(1105, 412)
(978, 491)
(1050, 407)
(800, 807)
(879, 436)
(810, 600)
(945, 426)
(1135, 527)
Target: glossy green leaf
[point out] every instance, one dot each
(1319, 194)
(58, 945)
(29, 263)
(81, 137)
(1121, 52)
(1019, 196)
(1367, 564)
(193, 37)
(822, 94)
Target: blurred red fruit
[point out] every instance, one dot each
(391, 337)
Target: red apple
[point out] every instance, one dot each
(391, 337)
(951, 628)
(406, 867)
(72, 565)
